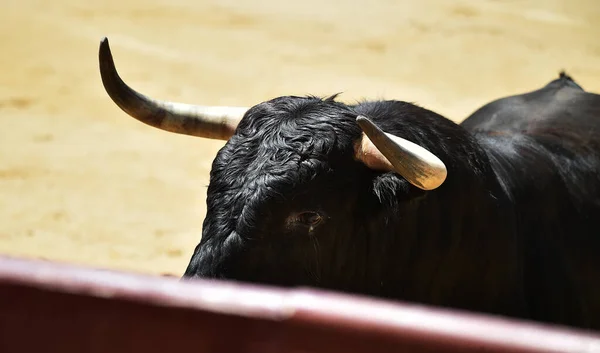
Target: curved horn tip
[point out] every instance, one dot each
(104, 51)
(104, 47)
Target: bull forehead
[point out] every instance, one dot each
(289, 130)
(279, 146)
(290, 153)
(285, 117)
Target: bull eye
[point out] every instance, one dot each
(310, 219)
(306, 219)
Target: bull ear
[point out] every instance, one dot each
(382, 151)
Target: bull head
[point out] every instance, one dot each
(376, 149)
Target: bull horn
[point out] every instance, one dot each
(214, 122)
(382, 151)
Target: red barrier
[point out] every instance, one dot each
(50, 307)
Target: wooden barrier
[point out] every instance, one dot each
(50, 307)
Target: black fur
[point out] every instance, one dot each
(514, 229)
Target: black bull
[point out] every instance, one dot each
(499, 214)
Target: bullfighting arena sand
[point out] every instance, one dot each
(82, 182)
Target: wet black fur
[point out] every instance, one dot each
(514, 230)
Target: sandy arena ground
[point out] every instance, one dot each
(80, 181)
